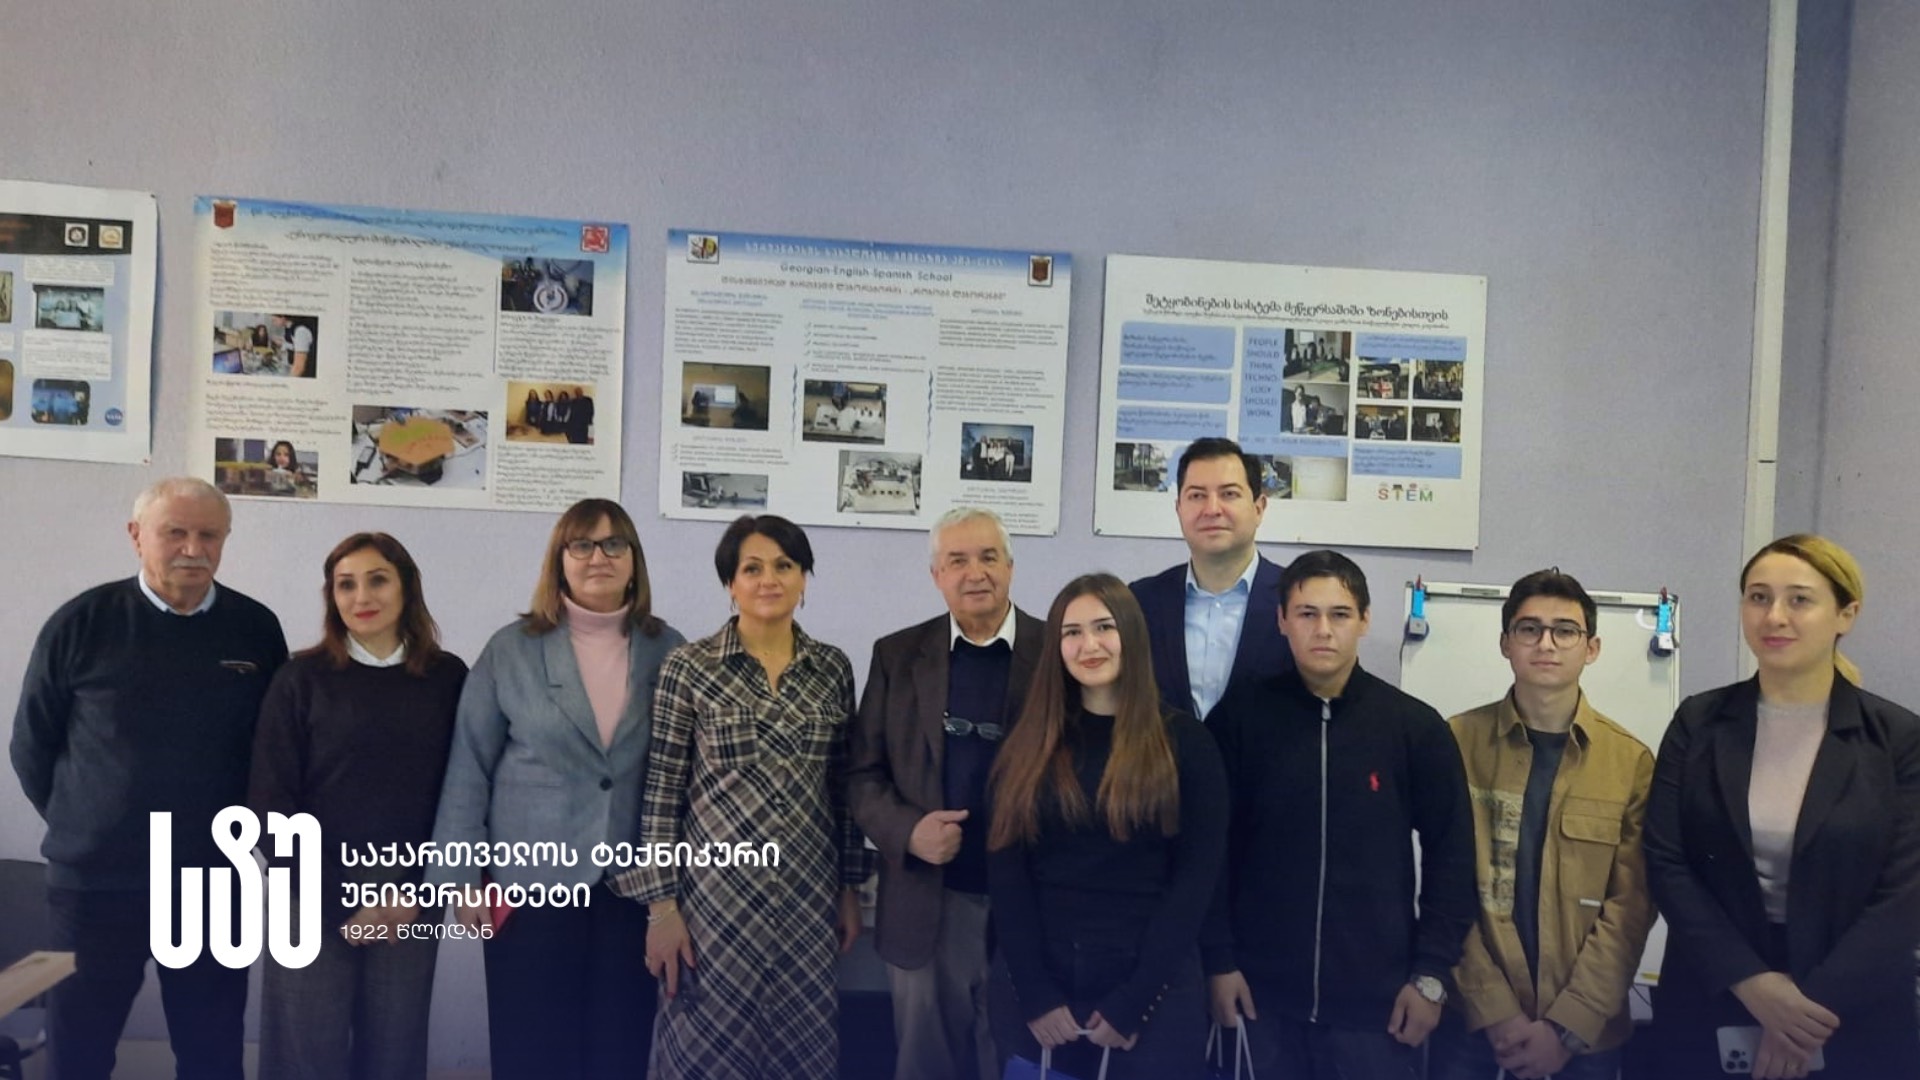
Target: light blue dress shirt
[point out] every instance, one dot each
(1213, 636)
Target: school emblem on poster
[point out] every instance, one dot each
(595, 238)
(703, 248)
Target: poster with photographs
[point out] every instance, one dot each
(76, 322)
(408, 357)
(1358, 390)
(840, 382)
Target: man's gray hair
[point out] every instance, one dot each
(179, 487)
(962, 515)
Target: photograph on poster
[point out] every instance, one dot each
(250, 343)
(1436, 425)
(6, 389)
(1438, 380)
(1317, 478)
(877, 483)
(550, 412)
(1002, 452)
(547, 286)
(1314, 409)
(730, 396)
(1383, 380)
(6, 296)
(60, 401)
(843, 412)
(1319, 356)
(712, 490)
(265, 468)
(1381, 422)
(1277, 476)
(69, 307)
(442, 448)
(1143, 466)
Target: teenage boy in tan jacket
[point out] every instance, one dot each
(1559, 795)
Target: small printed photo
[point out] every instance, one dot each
(872, 482)
(1319, 356)
(1381, 422)
(547, 286)
(1383, 380)
(442, 448)
(60, 401)
(1276, 477)
(731, 491)
(1436, 425)
(844, 412)
(1142, 466)
(1439, 380)
(1001, 452)
(1318, 479)
(253, 343)
(1313, 409)
(732, 396)
(6, 296)
(69, 307)
(6, 389)
(550, 412)
(266, 468)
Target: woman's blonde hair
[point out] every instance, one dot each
(1834, 563)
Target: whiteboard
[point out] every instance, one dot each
(1458, 667)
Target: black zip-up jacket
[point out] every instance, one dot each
(1316, 903)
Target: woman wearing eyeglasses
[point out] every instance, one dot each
(550, 746)
(750, 761)
(1109, 828)
(1783, 847)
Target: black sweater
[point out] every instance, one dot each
(1336, 945)
(1077, 895)
(363, 749)
(127, 710)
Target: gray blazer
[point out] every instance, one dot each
(527, 764)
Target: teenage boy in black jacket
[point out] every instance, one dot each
(1314, 922)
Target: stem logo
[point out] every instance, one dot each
(216, 886)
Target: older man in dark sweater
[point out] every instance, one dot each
(940, 697)
(141, 696)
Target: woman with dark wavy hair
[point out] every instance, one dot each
(355, 731)
(1109, 827)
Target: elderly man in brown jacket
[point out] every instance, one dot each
(939, 699)
(1559, 798)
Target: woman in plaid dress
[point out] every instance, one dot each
(749, 754)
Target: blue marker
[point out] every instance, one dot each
(1663, 644)
(1417, 616)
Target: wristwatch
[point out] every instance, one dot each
(1430, 988)
(1574, 1043)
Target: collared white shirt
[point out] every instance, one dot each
(362, 655)
(1213, 636)
(1005, 633)
(205, 602)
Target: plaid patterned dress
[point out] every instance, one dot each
(734, 762)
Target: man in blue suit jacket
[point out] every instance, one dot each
(1215, 620)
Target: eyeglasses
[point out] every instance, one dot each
(989, 732)
(1565, 634)
(613, 547)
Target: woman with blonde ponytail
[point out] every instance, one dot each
(1783, 846)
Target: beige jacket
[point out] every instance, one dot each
(1595, 909)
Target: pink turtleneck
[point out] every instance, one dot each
(600, 648)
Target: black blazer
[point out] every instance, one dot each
(1263, 649)
(1853, 914)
